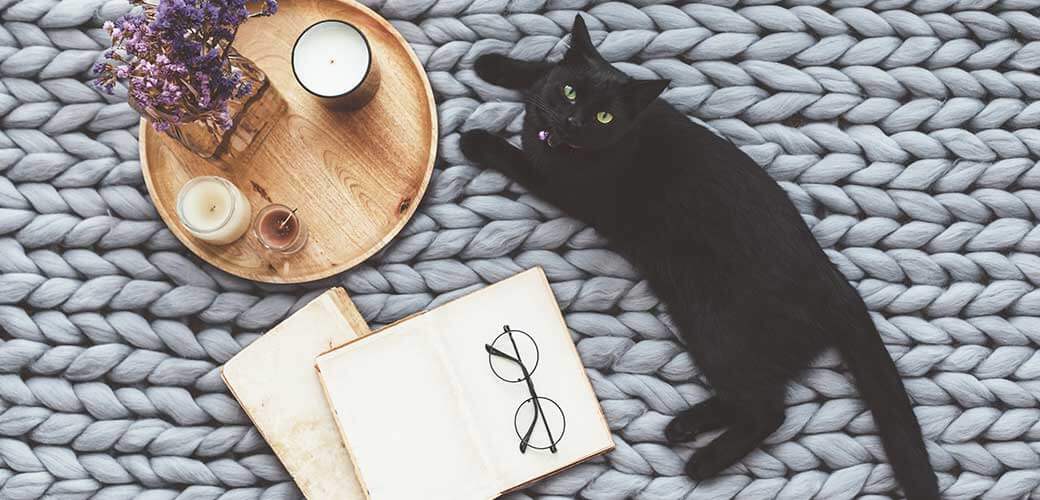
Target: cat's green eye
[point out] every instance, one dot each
(570, 93)
(604, 117)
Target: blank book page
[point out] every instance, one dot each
(395, 387)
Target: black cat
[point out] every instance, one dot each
(752, 293)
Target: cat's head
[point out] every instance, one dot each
(584, 102)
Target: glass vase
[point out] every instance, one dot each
(252, 117)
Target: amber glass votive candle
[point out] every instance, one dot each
(279, 229)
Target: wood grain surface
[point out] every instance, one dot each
(355, 176)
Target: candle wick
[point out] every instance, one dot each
(285, 221)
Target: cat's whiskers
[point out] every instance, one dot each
(537, 103)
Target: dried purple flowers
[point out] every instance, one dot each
(174, 59)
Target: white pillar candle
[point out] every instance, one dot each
(333, 60)
(213, 210)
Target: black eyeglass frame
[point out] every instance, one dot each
(535, 399)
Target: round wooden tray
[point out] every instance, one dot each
(355, 176)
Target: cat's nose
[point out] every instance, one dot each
(573, 121)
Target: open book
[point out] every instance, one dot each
(440, 406)
(274, 380)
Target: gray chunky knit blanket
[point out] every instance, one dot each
(904, 131)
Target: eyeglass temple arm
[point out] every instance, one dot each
(492, 350)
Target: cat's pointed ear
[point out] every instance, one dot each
(581, 43)
(643, 92)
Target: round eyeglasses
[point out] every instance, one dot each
(514, 356)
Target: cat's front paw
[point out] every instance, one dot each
(492, 68)
(477, 145)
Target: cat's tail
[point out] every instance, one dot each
(882, 389)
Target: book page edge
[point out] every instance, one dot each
(350, 312)
(343, 435)
(558, 470)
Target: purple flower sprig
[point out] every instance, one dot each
(174, 58)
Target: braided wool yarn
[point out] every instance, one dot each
(904, 131)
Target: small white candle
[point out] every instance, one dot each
(213, 210)
(333, 60)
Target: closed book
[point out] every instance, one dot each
(274, 380)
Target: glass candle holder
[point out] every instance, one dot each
(333, 60)
(213, 210)
(279, 229)
(252, 116)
